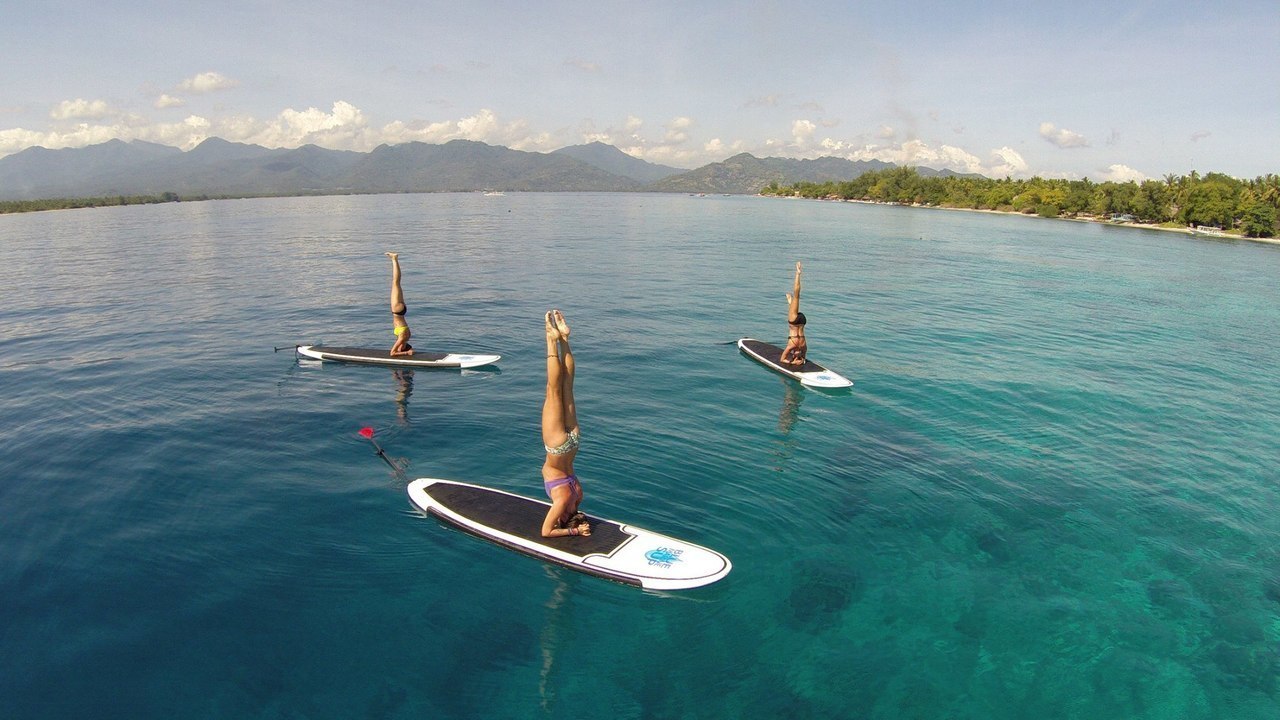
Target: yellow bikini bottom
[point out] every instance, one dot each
(400, 330)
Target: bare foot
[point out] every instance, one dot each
(392, 255)
(561, 325)
(553, 333)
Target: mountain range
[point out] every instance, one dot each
(218, 168)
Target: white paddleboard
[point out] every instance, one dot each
(382, 356)
(810, 373)
(623, 553)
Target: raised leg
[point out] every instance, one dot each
(793, 297)
(554, 431)
(566, 378)
(397, 295)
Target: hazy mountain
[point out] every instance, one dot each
(611, 159)
(220, 168)
(745, 173)
(217, 167)
(40, 173)
(470, 165)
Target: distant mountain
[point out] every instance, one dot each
(613, 160)
(745, 173)
(470, 165)
(219, 168)
(40, 173)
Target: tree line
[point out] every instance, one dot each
(1245, 207)
(17, 206)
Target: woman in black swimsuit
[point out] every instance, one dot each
(796, 349)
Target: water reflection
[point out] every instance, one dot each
(792, 397)
(404, 383)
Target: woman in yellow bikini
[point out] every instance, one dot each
(398, 310)
(560, 436)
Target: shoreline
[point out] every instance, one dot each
(1096, 221)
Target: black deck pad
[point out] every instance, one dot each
(773, 354)
(523, 518)
(379, 354)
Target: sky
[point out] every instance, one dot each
(1084, 89)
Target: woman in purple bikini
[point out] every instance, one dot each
(560, 436)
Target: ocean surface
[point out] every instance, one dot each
(1052, 492)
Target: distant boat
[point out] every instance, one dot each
(1209, 230)
(493, 193)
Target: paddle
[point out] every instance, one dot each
(367, 432)
(287, 347)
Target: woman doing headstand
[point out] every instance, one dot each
(560, 436)
(398, 310)
(797, 347)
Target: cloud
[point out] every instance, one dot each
(671, 149)
(1200, 135)
(916, 153)
(583, 65)
(677, 130)
(207, 82)
(802, 131)
(484, 126)
(16, 139)
(1122, 173)
(762, 101)
(1062, 137)
(168, 101)
(629, 132)
(80, 109)
(1006, 162)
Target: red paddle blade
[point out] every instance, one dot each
(367, 432)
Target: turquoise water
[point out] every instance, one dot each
(1051, 493)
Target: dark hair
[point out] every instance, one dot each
(799, 321)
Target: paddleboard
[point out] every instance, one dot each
(614, 551)
(811, 373)
(382, 356)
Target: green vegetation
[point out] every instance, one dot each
(1246, 207)
(17, 206)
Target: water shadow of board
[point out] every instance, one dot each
(810, 373)
(614, 551)
(376, 356)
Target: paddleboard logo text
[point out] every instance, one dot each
(663, 557)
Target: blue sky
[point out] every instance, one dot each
(1102, 90)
